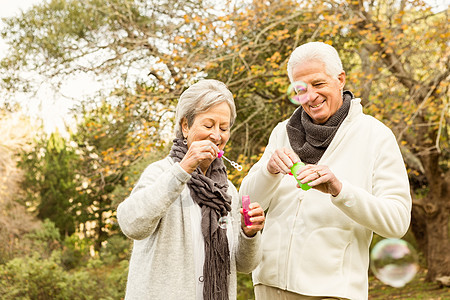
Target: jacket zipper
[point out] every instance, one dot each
(288, 256)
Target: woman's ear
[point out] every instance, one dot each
(184, 127)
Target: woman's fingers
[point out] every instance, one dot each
(256, 214)
(198, 152)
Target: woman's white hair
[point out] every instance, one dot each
(198, 98)
(316, 51)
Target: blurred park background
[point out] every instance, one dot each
(88, 90)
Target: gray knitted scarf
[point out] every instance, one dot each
(310, 140)
(210, 192)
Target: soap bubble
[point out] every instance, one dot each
(224, 222)
(394, 262)
(351, 201)
(296, 92)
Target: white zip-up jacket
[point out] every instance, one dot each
(316, 244)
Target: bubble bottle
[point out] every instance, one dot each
(294, 170)
(245, 207)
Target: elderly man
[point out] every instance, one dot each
(316, 241)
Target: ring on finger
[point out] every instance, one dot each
(318, 174)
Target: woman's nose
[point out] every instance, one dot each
(215, 135)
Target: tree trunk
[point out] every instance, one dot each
(431, 220)
(437, 223)
(419, 228)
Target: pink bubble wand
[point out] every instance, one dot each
(234, 164)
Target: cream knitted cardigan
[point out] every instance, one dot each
(157, 217)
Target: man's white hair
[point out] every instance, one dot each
(315, 51)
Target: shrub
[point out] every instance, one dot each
(35, 278)
(75, 252)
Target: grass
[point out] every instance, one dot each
(414, 290)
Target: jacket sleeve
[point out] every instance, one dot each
(159, 186)
(248, 249)
(259, 184)
(386, 210)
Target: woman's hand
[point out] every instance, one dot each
(281, 161)
(257, 218)
(199, 152)
(321, 178)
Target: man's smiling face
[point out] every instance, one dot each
(324, 92)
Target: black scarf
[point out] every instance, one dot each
(310, 140)
(210, 192)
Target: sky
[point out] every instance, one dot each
(54, 109)
(11, 8)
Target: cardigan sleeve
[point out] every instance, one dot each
(158, 187)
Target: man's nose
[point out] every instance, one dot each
(310, 94)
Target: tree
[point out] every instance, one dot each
(74, 182)
(396, 58)
(110, 140)
(394, 53)
(128, 41)
(50, 181)
(111, 39)
(64, 37)
(405, 65)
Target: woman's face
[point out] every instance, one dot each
(213, 125)
(324, 92)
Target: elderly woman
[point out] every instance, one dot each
(180, 250)
(316, 241)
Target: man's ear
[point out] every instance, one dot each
(341, 78)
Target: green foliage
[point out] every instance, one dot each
(47, 234)
(50, 181)
(245, 287)
(75, 252)
(37, 278)
(117, 249)
(52, 269)
(111, 140)
(45, 239)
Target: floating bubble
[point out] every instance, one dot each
(351, 201)
(224, 222)
(296, 92)
(394, 262)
